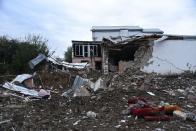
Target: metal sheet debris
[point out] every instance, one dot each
(20, 89)
(41, 57)
(22, 77)
(69, 65)
(18, 85)
(36, 60)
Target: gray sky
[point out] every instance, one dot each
(61, 21)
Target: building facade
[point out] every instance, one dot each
(87, 51)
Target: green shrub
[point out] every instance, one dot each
(15, 54)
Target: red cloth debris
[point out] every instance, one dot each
(146, 111)
(138, 106)
(157, 118)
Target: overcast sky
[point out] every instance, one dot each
(61, 21)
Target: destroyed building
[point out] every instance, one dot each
(91, 51)
(120, 54)
(115, 48)
(159, 53)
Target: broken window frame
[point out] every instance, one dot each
(86, 50)
(80, 50)
(95, 49)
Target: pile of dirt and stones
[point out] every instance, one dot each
(102, 110)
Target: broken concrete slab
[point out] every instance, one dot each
(86, 84)
(81, 92)
(99, 84)
(76, 90)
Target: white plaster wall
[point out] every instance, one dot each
(131, 33)
(172, 56)
(100, 34)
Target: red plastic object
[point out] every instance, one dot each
(171, 108)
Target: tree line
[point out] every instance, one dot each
(15, 54)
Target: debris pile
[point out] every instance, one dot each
(77, 102)
(84, 87)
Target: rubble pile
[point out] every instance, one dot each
(55, 81)
(104, 109)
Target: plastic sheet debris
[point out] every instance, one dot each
(44, 93)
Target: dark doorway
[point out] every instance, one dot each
(98, 65)
(125, 53)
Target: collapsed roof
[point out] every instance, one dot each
(121, 40)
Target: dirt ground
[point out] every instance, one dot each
(62, 113)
